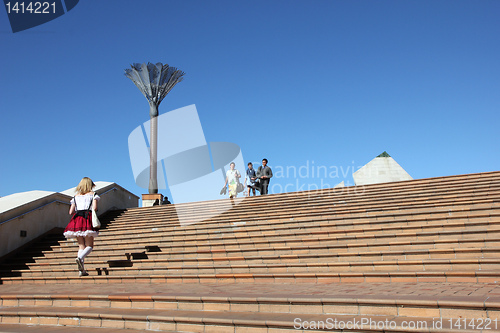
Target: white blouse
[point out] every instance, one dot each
(231, 176)
(83, 201)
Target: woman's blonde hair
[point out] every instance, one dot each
(86, 185)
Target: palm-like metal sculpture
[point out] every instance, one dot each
(154, 81)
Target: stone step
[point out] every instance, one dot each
(336, 202)
(394, 216)
(301, 301)
(370, 191)
(139, 269)
(332, 243)
(283, 212)
(282, 198)
(189, 313)
(223, 321)
(352, 243)
(176, 320)
(481, 225)
(304, 254)
(252, 229)
(20, 328)
(446, 240)
(330, 277)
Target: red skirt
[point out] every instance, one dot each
(80, 226)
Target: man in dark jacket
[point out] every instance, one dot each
(264, 173)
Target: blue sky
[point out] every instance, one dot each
(302, 83)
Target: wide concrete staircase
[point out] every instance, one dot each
(413, 256)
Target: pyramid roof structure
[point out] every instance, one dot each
(382, 169)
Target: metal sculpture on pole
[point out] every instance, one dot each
(154, 81)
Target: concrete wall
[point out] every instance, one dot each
(113, 197)
(38, 212)
(34, 220)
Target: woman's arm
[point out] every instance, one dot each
(72, 209)
(94, 202)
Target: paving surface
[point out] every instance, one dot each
(421, 291)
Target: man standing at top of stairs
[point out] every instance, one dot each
(264, 173)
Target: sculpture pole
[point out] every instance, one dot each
(153, 148)
(154, 81)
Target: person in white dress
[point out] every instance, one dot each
(232, 180)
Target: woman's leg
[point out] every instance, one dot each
(81, 249)
(89, 241)
(81, 245)
(88, 246)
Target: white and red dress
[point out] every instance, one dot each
(81, 221)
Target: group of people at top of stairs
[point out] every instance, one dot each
(80, 225)
(257, 180)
